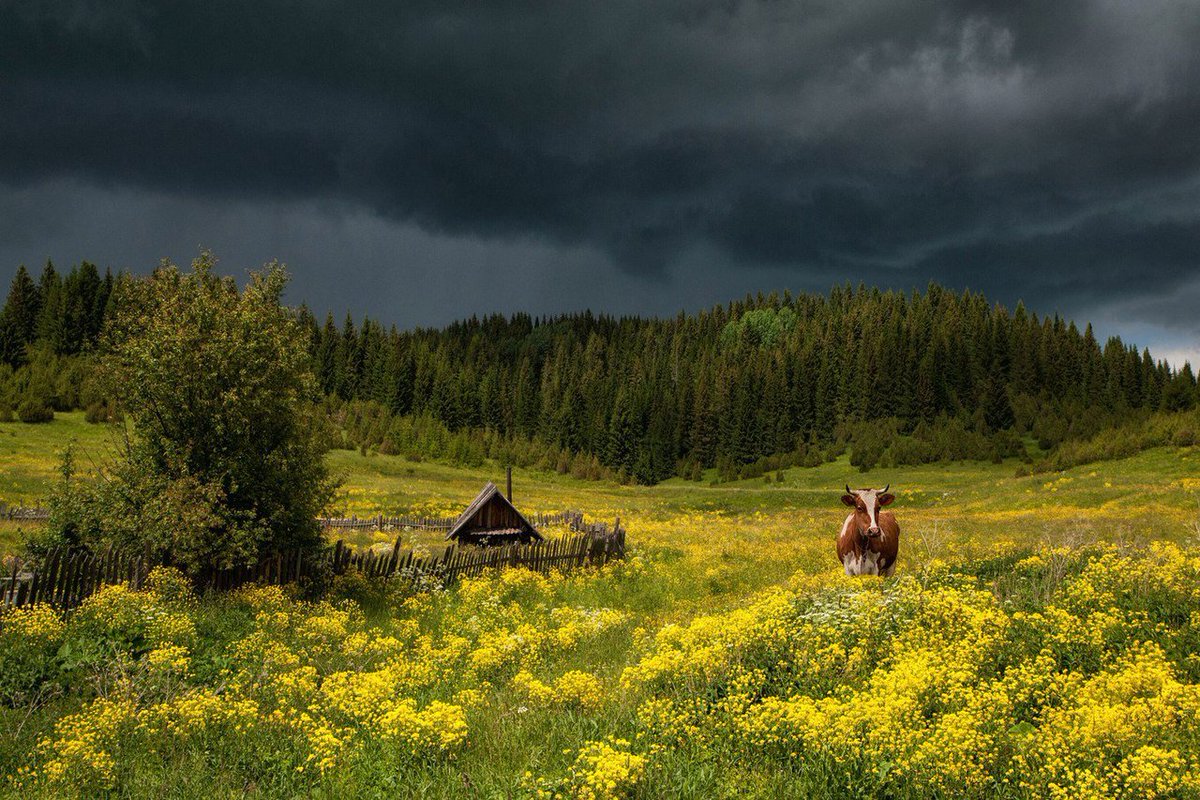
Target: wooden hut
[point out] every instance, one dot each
(492, 519)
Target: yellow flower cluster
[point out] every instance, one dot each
(1100, 735)
(195, 713)
(170, 658)
(82, 749)
(120, 615)
(573, 689)
(605, 770)
(937, 686)
(30, 625)
(29, 640)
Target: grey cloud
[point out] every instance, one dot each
(1023, 147)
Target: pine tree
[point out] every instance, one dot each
(81, 290)
(18, 320)
(348, 361)
(51, 326)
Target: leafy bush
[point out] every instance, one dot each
(867, 451)
(226, 458)
(102, 411)
(906, 450)
(31, 410)
(1161, 429)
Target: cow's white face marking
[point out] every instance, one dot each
(871, 501)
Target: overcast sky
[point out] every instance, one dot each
(423, 161)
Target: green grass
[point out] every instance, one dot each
(30, 454)
(1147, 496)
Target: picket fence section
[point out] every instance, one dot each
(23, 513)
(378, 522)
(63, 578)
(384, 523)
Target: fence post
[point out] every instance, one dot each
(394, 560)
(10, 594)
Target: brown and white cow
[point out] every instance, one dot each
(870, 538)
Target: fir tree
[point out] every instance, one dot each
(18, 320)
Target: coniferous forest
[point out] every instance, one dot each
(760, 384)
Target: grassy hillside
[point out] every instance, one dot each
(969, 506)
(1038, 640)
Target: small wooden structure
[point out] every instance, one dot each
(492, 519)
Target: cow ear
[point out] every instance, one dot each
(884, 499)
(850, 500)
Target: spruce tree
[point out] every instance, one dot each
(18, 320)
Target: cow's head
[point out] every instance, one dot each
(866, 504)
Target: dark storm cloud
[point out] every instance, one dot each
(1038, 149)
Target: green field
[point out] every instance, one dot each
(967, 505)
(1038, 639)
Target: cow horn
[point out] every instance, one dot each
(848, 489)
(886, 488)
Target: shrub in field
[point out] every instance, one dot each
(34, 411)
(223, 461)
(1177, 429)
(101, 411)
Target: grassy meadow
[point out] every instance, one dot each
(1039, 639)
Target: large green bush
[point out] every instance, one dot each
(31, 410)
(222, 457)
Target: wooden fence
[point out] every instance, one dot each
(63, 578)
(21, 513)
(378, 522)
(384, 523)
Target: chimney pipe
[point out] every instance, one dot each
(510, 484)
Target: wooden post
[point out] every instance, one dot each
(394, 560)
(12, 585)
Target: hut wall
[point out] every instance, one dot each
(495, 515)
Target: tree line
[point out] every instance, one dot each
(758, 384)
(46, 326)
(766, 381)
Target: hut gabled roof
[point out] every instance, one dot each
(485, 496)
